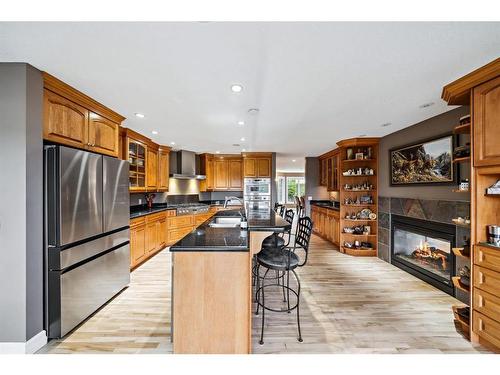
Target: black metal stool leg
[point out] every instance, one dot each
(283, 286)
(261, 342)
(298, 305)
(257, 289)
(288, 291)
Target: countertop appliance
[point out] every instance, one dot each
(86, 236)
(257, 194)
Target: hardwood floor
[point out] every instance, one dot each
(348, 305)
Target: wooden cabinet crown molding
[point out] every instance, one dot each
(353, 142)
(458, 91)
(328, 154)
(256, 154)
(53, 84)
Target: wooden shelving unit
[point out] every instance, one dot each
(458, 284)
(480, 90)
(358, 145)
(459, 252)
(461, 324)
(462, 129)
(462, 160)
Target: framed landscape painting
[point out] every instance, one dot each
(428, 162)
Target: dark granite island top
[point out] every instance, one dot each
(206, 238)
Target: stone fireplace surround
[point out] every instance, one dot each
(425, 209)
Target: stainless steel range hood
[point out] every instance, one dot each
(184, 165)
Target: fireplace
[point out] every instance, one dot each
(424, 249)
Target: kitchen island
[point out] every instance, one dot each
(212, 282)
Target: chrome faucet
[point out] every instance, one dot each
(231, 198)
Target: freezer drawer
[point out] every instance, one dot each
(84, 289)
(61, 259)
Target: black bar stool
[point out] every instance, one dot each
(274, 241)
(283, 259)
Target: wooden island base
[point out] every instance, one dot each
(211, 307)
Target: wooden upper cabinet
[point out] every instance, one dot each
(74, 119)
(103, 135)
(207, 168)
(486, 123)
(64, 121)
(221, 175)
(250, 167)
(151, 168)
(235, 175)
(257, 165)
(210, 173)
(163, 169)
(323, 175)
(264, 167)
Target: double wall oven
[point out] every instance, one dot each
(257, 194)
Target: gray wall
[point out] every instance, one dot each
(424, 130)
(21, 214)
(313, 188)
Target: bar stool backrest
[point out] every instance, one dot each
(282, 211)
(303, 236)
(289, 215)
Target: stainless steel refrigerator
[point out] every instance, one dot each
(87, 252)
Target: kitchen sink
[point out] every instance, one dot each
(225, 222)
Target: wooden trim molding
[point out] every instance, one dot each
(256, 154)
(353, 142)
(458, 92)
(328, 154)
(59, 87)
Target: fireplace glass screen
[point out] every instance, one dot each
(431, 254)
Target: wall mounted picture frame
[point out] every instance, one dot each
(428, 162)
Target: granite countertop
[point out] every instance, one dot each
(206, 238)
(138, 211)
(326, 204)
(269, 222)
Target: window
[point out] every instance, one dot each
(281, 186)
(295, 186)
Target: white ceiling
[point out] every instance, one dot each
(314, 83)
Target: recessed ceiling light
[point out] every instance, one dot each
(386, 124)
(236, 88)
(217, 152)
(253, 111)
(293, 160)
(140, 115)
(426, 105)
(241, 122)
(242, 139)
(154, 132)
(243, 150)
(172, 143)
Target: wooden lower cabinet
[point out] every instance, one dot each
(148, 235)
(137, 241)
(326, 223)
(152, 233)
